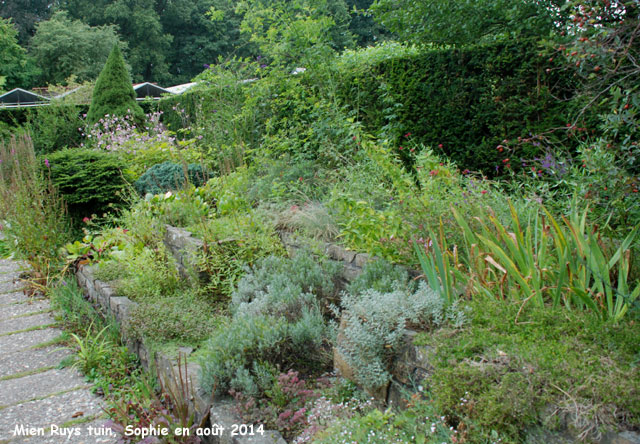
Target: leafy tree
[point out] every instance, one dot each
(26, 14)
(462, 22)
(202, 31)
(63, 48)
(138, 23)
(363, 27)
(113, 93)
(296, 31)
(15, 70)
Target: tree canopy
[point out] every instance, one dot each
(14, 67)
(460, 22)
(25, 15)
(63, 48)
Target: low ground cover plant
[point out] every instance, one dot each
(509, 371)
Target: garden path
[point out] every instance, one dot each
(34, 393)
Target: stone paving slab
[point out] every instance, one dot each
(33, 306)
(41, 384)
(19, 362)
(57, 409)
(12, 298)
(8, 266)
(99, 435)
(10, 285)
(24, 322)
(22, 341)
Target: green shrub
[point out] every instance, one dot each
(91, 182)
(277, 321)
(56, 126)
(286, 179)
(113, 93)
(233, 243)
(168, 176)
(149, 274)
(462, 102)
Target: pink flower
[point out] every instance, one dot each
(483, 192)
(46, 162)
(86, 220)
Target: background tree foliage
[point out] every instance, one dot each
(14, 68)
(461, 22)
(26, 14)
(289, 32)
(62, 48)
(138, 23)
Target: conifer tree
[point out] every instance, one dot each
(113, 93)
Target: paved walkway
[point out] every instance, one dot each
(40, 403)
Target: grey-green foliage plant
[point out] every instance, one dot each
(277, 322)
(279, 286)
(380, 276)
(375, 322)
(168, 176)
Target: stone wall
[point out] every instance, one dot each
(408, 369)
(209, 412)
(411, 367)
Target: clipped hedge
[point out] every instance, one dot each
(462, 102)
(90, 181)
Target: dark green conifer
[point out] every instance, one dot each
(113, 93)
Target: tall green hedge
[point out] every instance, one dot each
(463, 102)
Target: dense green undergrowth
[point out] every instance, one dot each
(502, 174)
(512, 369)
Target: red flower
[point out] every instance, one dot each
(439, 145)
(483, 192)
(86, 220)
